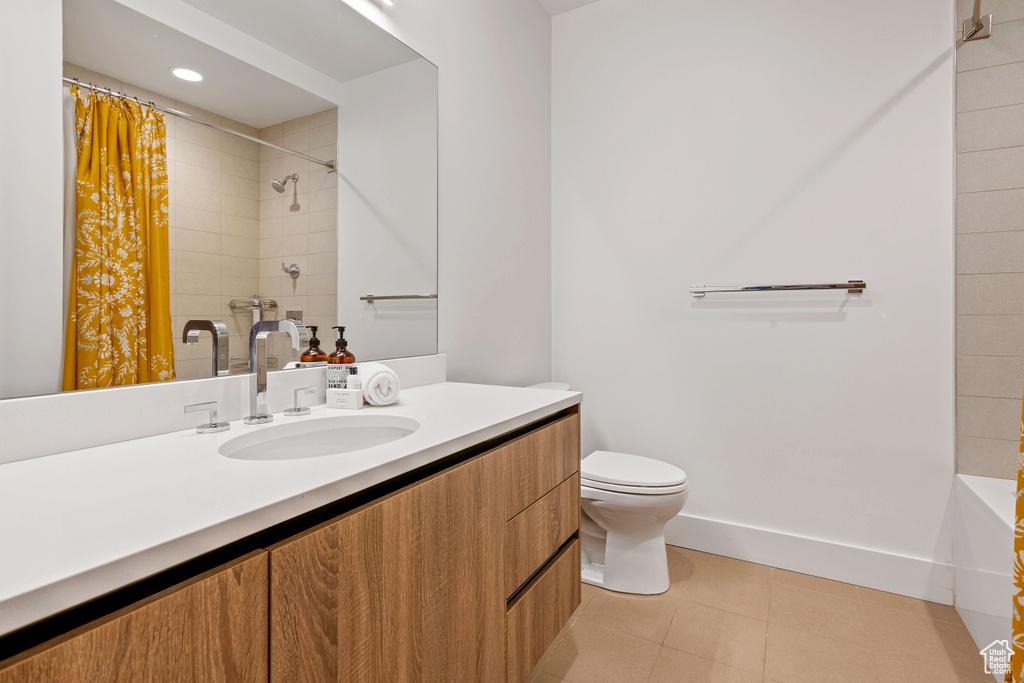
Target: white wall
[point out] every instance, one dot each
(494, 285)
(31, 189)
(387, 210)
(742, 142)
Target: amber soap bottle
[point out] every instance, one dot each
(337, 362)
(314, 355)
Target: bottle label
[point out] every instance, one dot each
(311, 364)
(337, 376)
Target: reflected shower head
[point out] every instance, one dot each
(278, 185)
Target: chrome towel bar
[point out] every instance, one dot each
(852, 287)
(370, 298)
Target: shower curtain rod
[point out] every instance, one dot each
(181, 114)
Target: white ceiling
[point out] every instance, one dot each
(112, 39)
(558, 6)
(327, 35)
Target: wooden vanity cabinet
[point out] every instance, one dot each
(415, 586)
(210, 628)
(407, 588)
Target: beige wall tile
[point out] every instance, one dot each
(271, 169)
(324, 117)
(323, 200)
(240, 206)
(239, 287)
(294, 204)
(323, 284)
(236, 266)
(270, 228)
(990, 376)
(987, 457)
(323, 135)
(240, 147)
(270, 208)
(997, 169)
(239, 187)
(999, 294)
(988, 418)
(198, 241)
(192, 369)
(1005, 46)
(239, 166)
(197, 155)
(320, 242)
(198, 283)
(293, 245)
(294, 126)
(990, 335)
(198, 305)
(996, 87)
(990, 252)
(298, 141)
(323, 221)
(240, 127)
(323, 264)
(322, 305)
(189, 131)
(271, 286)
(198, 113)
(270, 133)
(198, 198)
(295, 224)
(197, 219)
(270, 248)
(193, 262)
(248, 247)
(269, 267)
(990, 128)
(990, 211)
(239, 226)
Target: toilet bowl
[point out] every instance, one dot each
(627, 500)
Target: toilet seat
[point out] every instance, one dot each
(626, 473)
(635, 490)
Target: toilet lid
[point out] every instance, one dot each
(629, 470)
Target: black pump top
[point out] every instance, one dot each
(341, 336)
(313, 341)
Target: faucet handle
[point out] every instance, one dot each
(298, 409)
(213, 425)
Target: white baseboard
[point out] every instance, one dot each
(912, 576)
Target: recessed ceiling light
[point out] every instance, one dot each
(186, 74)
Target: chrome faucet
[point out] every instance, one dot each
(190, 335)
(258, 363)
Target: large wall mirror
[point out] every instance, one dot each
(297, 178)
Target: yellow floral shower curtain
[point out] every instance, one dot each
(1017, 660)
(119, 318)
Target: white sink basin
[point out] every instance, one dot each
(317, 438)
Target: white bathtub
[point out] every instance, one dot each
(983, 555)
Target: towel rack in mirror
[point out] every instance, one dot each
(373, 297)
(852, 287)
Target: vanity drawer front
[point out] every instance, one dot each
(540, 461)
(540, 611)
(532, 536)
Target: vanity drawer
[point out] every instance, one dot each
(532, 536)
(540, 611)
(540, 461)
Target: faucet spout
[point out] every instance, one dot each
(258, 413)
(221, 356)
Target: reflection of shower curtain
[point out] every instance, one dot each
(119, 320)
(70, 219)
(1014, 674)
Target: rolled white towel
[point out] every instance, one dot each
(380, 384)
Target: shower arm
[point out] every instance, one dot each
(977, 27)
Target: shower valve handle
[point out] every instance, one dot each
(292, 270)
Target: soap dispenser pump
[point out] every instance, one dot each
(338, 362)
(314, 355)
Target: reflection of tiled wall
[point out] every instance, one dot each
(990, 242)
(300, 226)
(214, 233)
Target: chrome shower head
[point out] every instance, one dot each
(278, 185)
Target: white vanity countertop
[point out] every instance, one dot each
(76, 525)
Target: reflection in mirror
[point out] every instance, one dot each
(297, 176)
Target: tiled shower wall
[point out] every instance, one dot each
(214, 234)
(990, 242)
(300, 226)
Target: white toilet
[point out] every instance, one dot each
(627, 501)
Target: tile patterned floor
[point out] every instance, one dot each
(727, 621)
